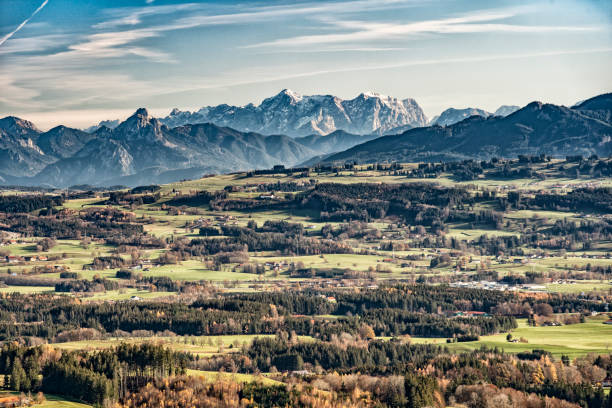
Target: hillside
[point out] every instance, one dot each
(599, 107)
(537, 128)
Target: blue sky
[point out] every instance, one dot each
(78, 62)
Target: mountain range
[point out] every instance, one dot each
(296, 115)
(143, 149)
(535, 129)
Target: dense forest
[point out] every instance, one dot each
(419, 310)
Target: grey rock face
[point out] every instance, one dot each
(295, 115)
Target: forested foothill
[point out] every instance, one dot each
(461, 284)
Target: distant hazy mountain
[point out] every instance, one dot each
(62, 141)
(537, 128)
(143, 150)
(452, 116)
(19, 153)
(506, 110)
(397, 130)
(295, 115)
(333, 142)
(111, 124)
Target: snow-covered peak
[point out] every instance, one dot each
(296, 97)
(293, 114)
(506, 110)
(390, 101)
(451, 115)
(372, 94)
(284, 97)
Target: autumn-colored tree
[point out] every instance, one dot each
(537, 375)
(366, 332)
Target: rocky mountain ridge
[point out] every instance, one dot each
(142, 149)
(296, 115)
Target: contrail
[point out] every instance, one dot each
(20, 26)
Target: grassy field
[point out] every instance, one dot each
(468, 234)
(122, 294)
(52, 401)
(588, 286)
(542, 215)
(198, 345)
(27, 289)
(125, 294)
(237, 377)
(60, 402)
(341, 261)
(571, 340)
(80, 203)
(194, 270)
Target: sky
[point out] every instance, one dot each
(79, 62)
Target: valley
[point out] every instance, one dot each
(467, 258)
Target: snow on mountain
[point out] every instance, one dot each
(452, 116)
(506, 110)
(298, 115)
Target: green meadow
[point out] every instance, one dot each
(572, 340)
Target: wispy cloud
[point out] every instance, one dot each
(114, 42)
(15, 95)
(32, 87)
(262, 14)
(262, 74)
(20, 26)
(359, 31)
(35, 44)
(332, 49)
(133, 16)
(244, 13)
